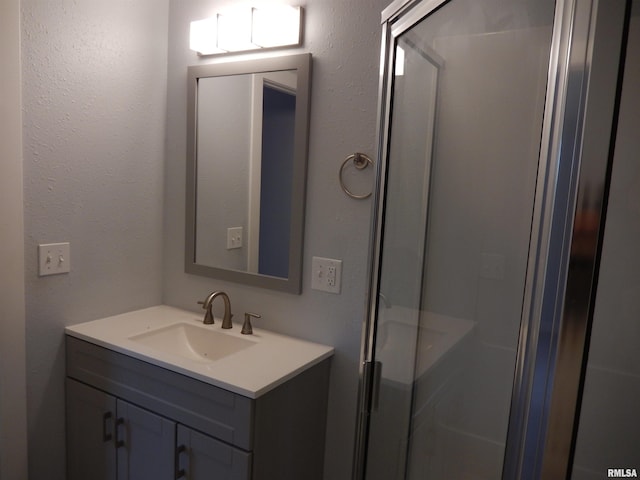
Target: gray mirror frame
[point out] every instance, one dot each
(301, 63)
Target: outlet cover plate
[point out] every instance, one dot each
(326, 274)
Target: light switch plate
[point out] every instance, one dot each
(327, 274)
(54, 258)
(234, 238)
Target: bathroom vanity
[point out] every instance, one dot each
(145, 400)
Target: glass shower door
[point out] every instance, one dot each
(462, 147)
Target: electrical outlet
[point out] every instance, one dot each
(326, 274)
(331, 275)
(234, 238)
(54, 258)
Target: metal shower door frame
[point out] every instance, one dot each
(560, 183)
(577, 152)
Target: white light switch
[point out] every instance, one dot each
(234, 238)
(54, 258)
(327, 274)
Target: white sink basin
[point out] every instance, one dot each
(192, 342)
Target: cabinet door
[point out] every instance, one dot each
(145, 444)
(203, 458)
(91, 417)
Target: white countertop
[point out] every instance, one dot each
(250, 372)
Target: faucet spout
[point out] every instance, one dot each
(207, 304)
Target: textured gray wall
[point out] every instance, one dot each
(13, 415)
(344, 39)
(96, 110)
(94, 94)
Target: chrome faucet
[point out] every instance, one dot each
(208, 316)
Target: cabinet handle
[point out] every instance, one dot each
(106, 436)
(119, 423)
(180, 472)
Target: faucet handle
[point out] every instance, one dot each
(247, 329)
(208, 316)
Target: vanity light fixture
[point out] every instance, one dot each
(204, 36)
(234, 31)
(246, 29)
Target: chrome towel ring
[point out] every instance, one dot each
(360, 161)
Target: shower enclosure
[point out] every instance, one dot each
(498, 123)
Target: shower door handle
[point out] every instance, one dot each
(377, 373)
(373, 372)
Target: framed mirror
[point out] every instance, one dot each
(247, 125)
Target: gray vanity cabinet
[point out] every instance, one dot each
(130, 420)
(111, 439)
(145, 444)
(201, 457)
(90, 433)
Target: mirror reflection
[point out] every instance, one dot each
(246, 126)
(247, 167)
